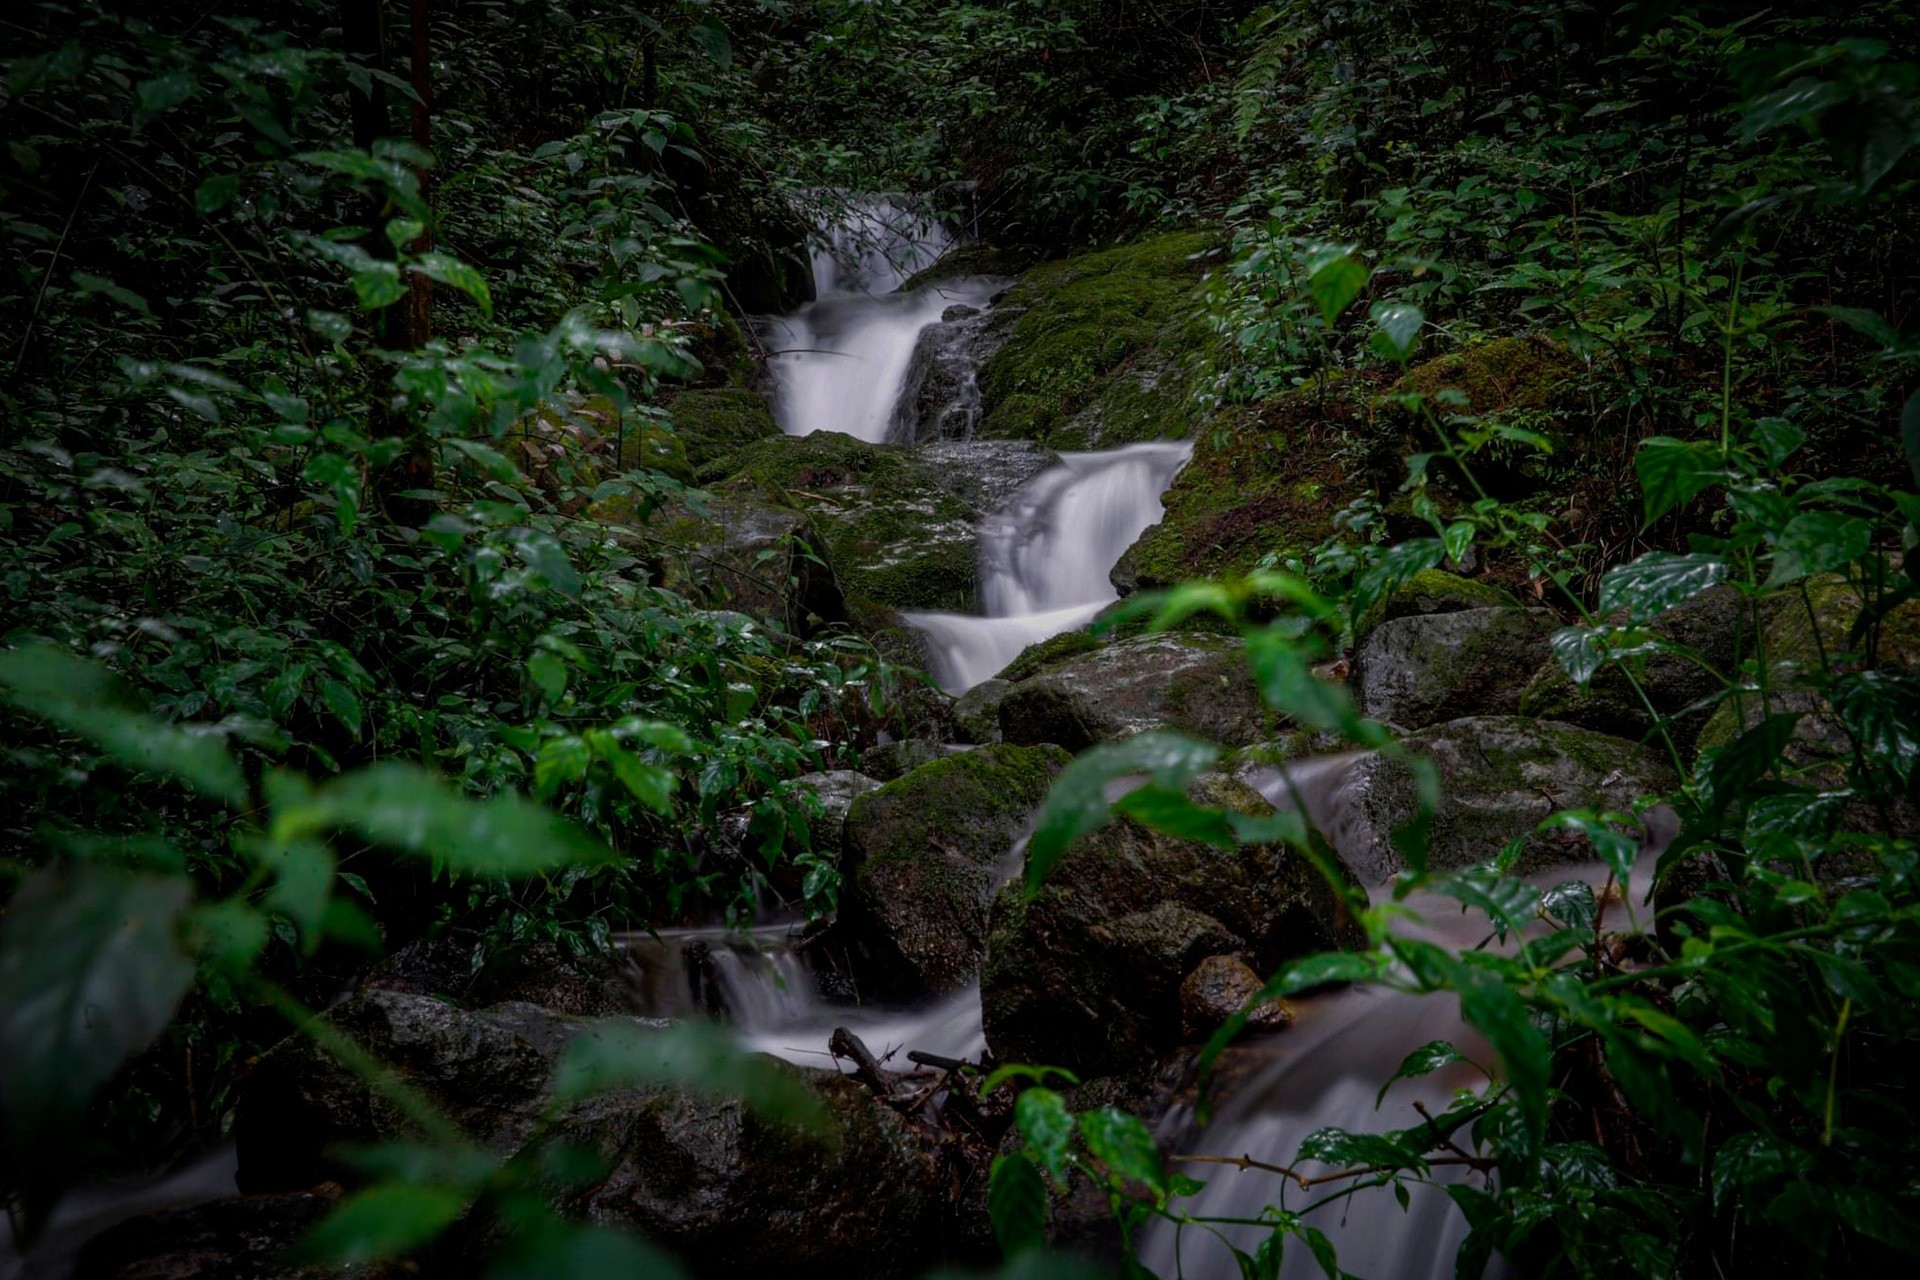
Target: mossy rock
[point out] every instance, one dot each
(1042, 654)
(1264, 484)
(737, 551)
(1164, 680)
(923, 856)
(1425, 669)
(712, 423)
(1102, 349)
(894, 530)
(1433, 591)
(974, 258)
(1087, 974)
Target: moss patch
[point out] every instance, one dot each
(894, 534)
(715, 422)
(1434, 591)
(1264, 482)
(1105, 348)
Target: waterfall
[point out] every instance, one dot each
(841, 362)
(1045, 558)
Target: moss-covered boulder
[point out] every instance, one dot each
(1712, 625)
(977, 711)
(1087, 974)
(893, 526)
(712, 422)
(1500, 776)
(1527, 385)
(1433, 591)
(1101, 349)
(1195, 682)
(1425, 669)
(924, 854)
(1264, 484)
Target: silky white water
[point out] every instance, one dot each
(1045, 559)
(839, 363)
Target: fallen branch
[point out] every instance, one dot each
(844, 1044)
(1306, 1182)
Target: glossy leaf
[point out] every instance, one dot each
(1047, 1126)
(1125, 1145)
(389, 1220)
(1656, 582)
(1080, 802)
(1674, 472)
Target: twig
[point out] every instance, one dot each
(1477, 1163)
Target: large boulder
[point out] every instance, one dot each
(1424, 669)
(729, 1192)
(1499, 776)
(1432, 591)
(1102, 349)
(1711, 625)
(924, 854)
(1179, 680)
(1087, 974)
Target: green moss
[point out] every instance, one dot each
(938, 806)
(1263, 482)
(1037, 657)
(894, 534)
(713, 423)
(1505, 374)
(1435, 591)
(975, 258)
(1105, 349)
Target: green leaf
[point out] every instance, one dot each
(1656, 582)
(1078, 803)
(216, 193)
(548, 671)
(1674, 472)
(228, 935)
(1335, 277)
(697, 1056)
(413, 810)
(162, 93)
(343, 702)
(1910, 434)
(1125, 1145)
(1398, 329)
(569, 1251)
(1048, 1127)
(650, 784)
(1580, 651)
(83, 698)
(377, 284)
(1169, 811)
(91, 970)
(1287, 682)
(712, 38)
(546, 557)
(450, 271)
(125, 297)
(1017, 1204)
(1778, 439)
(384, 1221)
(1425, 1060)
(1818, 542)
(1616, 848)
(303, 883)
(1727, 772)
(496, 464)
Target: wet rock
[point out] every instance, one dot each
(940, 399)
(1220, 987)
(485, 1069)
(1433, 591)
(892, 760)
(757, 558)
(1101, 349)
(1087, 974)
(727, 1191)
(734, 1195)
(924, 854)
(977, 711)
(1424, 669)
(1710, 624)
(237, 1238)
(986, 474)
(1499, 777)
(836, 791)
(1199, 683)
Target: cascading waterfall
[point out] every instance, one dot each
(1044, 560)
(840, 362)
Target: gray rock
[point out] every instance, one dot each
(892, 760)
(752, 556)
(977, 711)
(1217, 989)
(923, 856)
(1087, 973)
(1710, 624)
(727, 1191)
(1499, 777)
(1423, 669)
(836, 790)
(1199, 683)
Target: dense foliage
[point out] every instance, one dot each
(341, 373)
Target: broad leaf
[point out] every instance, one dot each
(1674, 472)
(384, 1221)
(1080, 800)
(1047, 1126)
(411, 809)
(1017, 1204)
(1818, 542)
(1425, 1060)
(1125, 1145)
(1656, 582)
(83, 698)
(91, 970)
